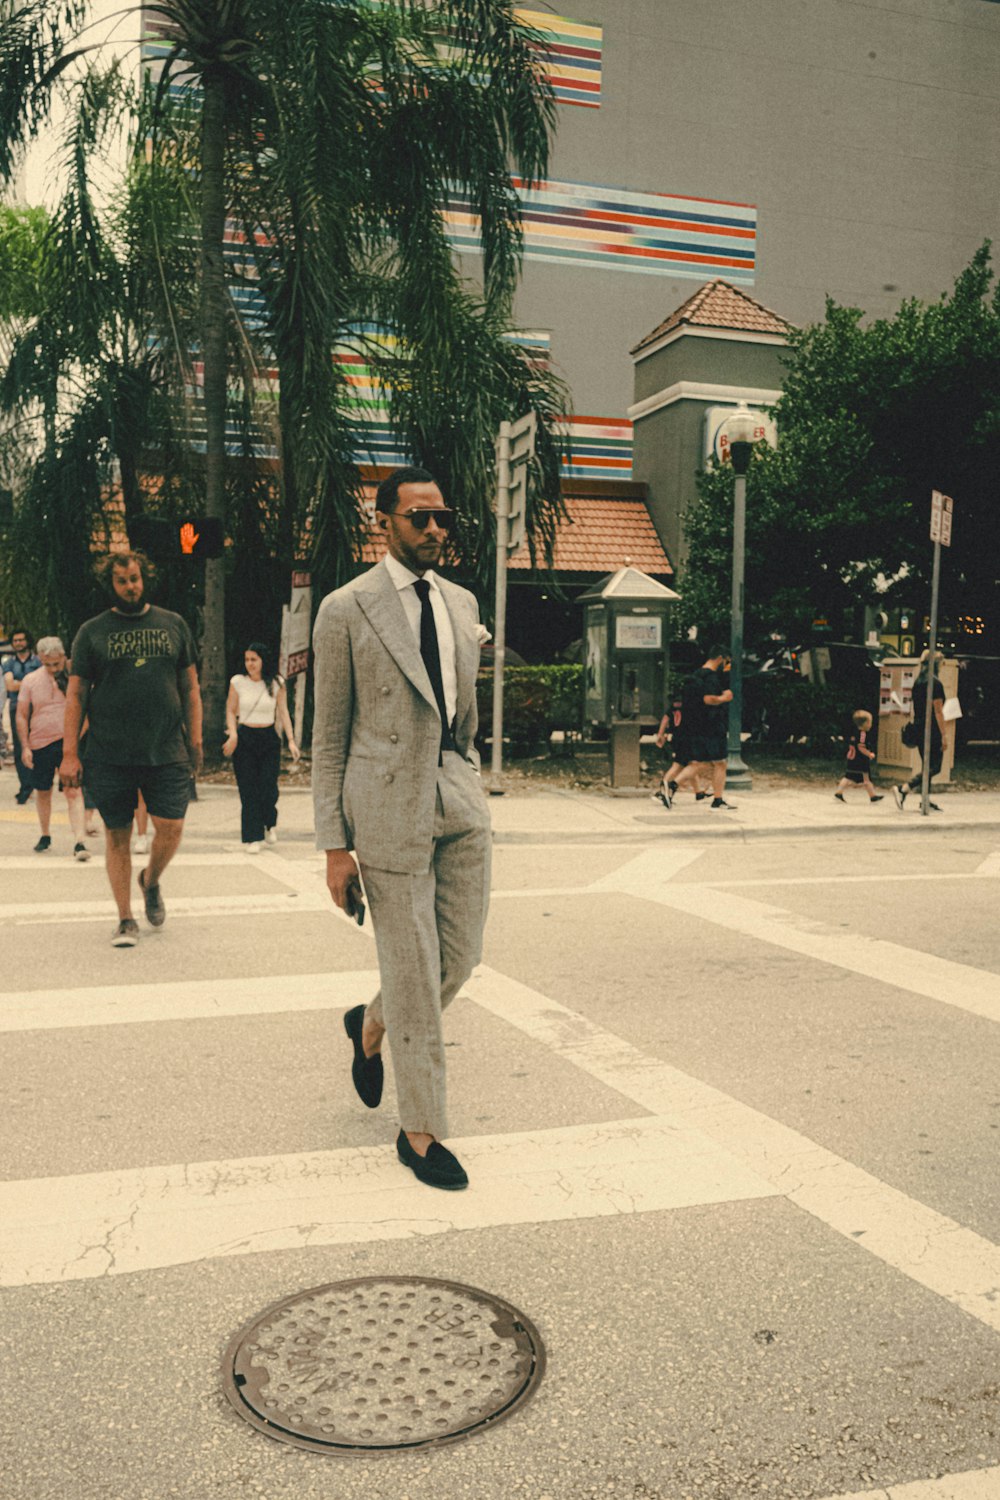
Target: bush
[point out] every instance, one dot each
(796, 709)
(536, 700)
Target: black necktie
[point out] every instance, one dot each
(432, 658)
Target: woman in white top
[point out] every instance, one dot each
(256, 713)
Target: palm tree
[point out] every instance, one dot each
(88, 384)
(336, 133)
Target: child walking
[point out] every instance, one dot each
(860, 758)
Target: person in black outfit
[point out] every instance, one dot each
(256, 714)
(939, 728)
(709, 699)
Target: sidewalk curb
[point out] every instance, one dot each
(626, 835)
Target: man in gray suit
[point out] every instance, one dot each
(395, 780)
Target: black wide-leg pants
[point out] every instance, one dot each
(256, 761)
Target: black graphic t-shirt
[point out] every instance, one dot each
(133, 665)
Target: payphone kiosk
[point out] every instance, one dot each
(626, 663)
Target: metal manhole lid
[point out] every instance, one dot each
(382, 1364)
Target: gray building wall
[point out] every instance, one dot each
(717, 361)
(867, 133)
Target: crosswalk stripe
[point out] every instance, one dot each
(932, 1250)
(184, 1000)
(973, 1484)
(264, 904)
(45, 863)
(113, 1223)
(974, 990)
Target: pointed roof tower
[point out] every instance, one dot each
(719, 305)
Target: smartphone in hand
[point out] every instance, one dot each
(355, 906)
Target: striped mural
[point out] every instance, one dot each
(600, 448)
(376, 442)
(573, 53)
(609, 228)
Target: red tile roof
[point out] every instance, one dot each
(601, 535)
(719, 304)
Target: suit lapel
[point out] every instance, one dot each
(385, 613)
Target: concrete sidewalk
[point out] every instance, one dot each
(789, 813)
(554, 815)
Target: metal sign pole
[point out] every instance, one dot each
(500, 610)
(925, 770)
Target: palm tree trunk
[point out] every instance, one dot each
(214, 317)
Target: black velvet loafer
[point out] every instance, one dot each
(367, 1072)
(437, 1169)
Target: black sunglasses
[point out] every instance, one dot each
(419, 518)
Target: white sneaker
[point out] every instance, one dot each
(252, 848)
(142, 844)
(271, 835)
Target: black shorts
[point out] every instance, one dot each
(679, 750)
(853, 774)
(115, 789)
(710, 747)
(46, 764)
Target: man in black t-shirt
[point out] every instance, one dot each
(133, 676)
(709, 698)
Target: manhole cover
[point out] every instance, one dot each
(382, 1364)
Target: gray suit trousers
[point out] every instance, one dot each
(429, 936)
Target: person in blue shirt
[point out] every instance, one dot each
(15, 669)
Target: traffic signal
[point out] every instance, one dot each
(201, 536)
(193, 536)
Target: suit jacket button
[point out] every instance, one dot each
(394, 739)
(388, 776)
(384, 691)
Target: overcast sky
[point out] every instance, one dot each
(118, 35)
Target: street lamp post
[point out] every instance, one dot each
(742, 430)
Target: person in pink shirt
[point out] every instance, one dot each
(41, 711)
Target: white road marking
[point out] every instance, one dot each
(873, 879)
(974, 1484)
(990, 865)
(974, 990)
(112, 1223)
(184, 1000)
(931, 1249)
(670, 861)
(265, 904)
(43, 863)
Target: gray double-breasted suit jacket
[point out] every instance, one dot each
(377, 730)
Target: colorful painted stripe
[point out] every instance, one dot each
(599, 448)
(572, 53)
(653, 233)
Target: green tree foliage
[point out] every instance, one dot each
(872, 418)
(22, 233)
(92, 390)
(334, 134)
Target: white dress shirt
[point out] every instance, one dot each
(404, 580)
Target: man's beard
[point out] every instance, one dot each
(129, 606)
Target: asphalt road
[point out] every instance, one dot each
(730, 1112)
